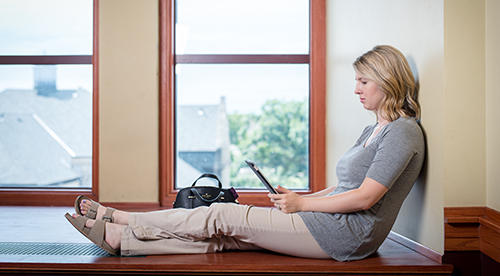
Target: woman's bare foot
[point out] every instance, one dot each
(112, 235)
(119, 217)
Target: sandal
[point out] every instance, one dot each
(92, 213)
(96, 234)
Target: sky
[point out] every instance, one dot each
(64, 27)
(242, 27)
(48, 27)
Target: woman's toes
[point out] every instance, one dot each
(85, 206)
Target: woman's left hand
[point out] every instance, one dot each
(286, 200)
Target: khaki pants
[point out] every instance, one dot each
(220, 227)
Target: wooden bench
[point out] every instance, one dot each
(393, 258)
(397, 256)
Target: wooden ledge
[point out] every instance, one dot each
(461, 220)
(392, 258)
(473, 229)
(396, 256)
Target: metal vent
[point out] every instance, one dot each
(62, 249)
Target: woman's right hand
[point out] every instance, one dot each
(287, 201)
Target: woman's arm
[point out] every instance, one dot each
(359, 199)
(321, 193)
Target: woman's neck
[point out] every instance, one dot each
(381, 121)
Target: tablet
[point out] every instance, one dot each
(261, 176)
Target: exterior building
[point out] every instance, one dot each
(203, 143)
(45, 135)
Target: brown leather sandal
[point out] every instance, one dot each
(96, 234)
(92, 213)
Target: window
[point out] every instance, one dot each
(253, 73)
(46, 99)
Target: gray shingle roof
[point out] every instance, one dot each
(70, 119)
(40, 135)
(30, 155)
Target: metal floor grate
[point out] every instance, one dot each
(46, 249)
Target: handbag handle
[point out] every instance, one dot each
(209, 175)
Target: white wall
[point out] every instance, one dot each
(492, 100)
(465, 128)
(415, 28)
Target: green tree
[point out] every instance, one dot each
(277, 139)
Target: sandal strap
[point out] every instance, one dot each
(108, 215)
(97, 233)
(92, 212)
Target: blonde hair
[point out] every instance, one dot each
(389, 69)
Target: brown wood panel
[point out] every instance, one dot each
(490, 250)
(235, 263)
(462, 233)
(42, 60)
(493, 215)
(391, 258)
(95, 104)
(491, 224)
(39, 197)
(167, 105)
(490, 242)
(492, 220)
(461, 244)
(464, 212)
(466, 230)
(462, 220)
(247, 59)
(317, 74)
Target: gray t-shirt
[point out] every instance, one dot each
(394, 158)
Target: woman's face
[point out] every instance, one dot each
(369, 93)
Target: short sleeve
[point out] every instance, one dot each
(395, 147)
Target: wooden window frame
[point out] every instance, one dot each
(62, 196)
(317, 62)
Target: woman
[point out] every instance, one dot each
(346, 222)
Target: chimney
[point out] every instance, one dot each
(45, 80)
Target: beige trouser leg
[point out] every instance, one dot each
(223, 226)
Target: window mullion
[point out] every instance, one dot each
(242, 59)
(43, 60)
(167, 103)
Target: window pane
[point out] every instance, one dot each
(242, 27)
(46, 125)
(49, 27)
(227, 113)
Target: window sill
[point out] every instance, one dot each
(41, 197)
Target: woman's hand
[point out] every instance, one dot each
(287, 201)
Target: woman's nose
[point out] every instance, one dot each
(356, 89)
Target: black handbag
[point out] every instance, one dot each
(195, 196)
